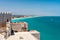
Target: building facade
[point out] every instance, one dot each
(20, 27)
(4, 17)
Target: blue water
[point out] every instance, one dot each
(48, 26)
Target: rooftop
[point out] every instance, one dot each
(20, 36)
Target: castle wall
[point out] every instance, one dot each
(4, 16)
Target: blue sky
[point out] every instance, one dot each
(31, 7)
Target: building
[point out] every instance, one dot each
(18, 26)
(20, 29)
(4, 17)
(21, 32)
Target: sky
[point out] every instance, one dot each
(31, 7)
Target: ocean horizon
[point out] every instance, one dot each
(48, 26)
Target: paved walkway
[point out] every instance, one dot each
(2, 37)
(20, 36)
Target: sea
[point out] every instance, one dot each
(48, 26)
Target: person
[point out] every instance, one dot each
(12, 31)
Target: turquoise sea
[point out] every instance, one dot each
(48, 26)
